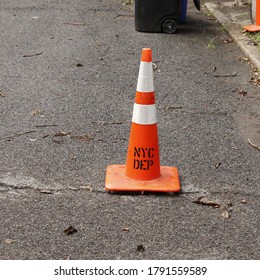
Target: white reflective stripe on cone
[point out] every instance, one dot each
(144, 114)
(145, 77)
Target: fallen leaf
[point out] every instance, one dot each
(70, 230)
(243, 201)
(252, 43)
(36, 112)
(140, 248)
(125, 229)
(227, 40)
(243, 59)
(225, 214)
(255, 79)
(9, 241)
(229, 204)
(154, 66)
(242, 92)
(79, 65)
(73, 157)
(204, 201)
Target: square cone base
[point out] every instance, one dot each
(252, 28)
(117, 181)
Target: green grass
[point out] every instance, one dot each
(211, 45)
(255, 37)
(223, 28)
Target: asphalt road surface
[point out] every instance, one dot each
(68, 73)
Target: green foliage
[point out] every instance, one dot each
(255, 37)
(211, 45)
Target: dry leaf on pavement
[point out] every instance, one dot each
(9, 241)
(204, 201)
(225, 214)
(70, 230)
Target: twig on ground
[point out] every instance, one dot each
(46, 125)
(31, 55)
(105, 123)
(75, 23)
(254, 145)
(225, 75)
(17, 134)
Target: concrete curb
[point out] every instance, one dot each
(235, 31)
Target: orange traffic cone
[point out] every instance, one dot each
(142, 171)
(256, 15)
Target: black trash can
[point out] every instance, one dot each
(160, 15)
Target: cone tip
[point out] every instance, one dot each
(147, 55)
